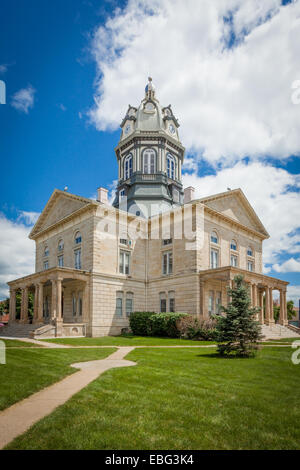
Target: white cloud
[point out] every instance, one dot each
(289, 266)
(231, 102)
(29, 218)
(16, 252)
(268, 189)
(3, 68)
(293, 293)
(23, 100)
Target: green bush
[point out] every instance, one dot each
(164, 324)
(139, 321)
(190, 327)
(155, 324)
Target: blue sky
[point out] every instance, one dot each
(231, 93)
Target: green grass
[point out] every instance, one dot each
(28, 370)
(284, 340)
(128, 340)
(15, 343)
(180, 399)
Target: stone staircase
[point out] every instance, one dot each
(19, 330)
(279, 331)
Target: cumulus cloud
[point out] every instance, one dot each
(290, 266)
(226, 66)
(274, 195)
(23, 100)
(293, 293)
(29, 218)
(16, 252)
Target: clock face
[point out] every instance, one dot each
(172, 129)
(127, 129)
(149, 106)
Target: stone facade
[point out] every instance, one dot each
(96, 263)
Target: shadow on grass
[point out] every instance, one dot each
(219, 356)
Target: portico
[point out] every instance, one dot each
(60, 298)
(260, 288)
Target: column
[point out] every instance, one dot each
(24, 305)
(40, 297)
(53, 300)
(261, 304)
(271, 318)
(285, 318)
(250, 293)
(254, 299)
(36, 303)
(58, 300)
(267, 305)
(202, 299)
(12, 306)
(85, 303)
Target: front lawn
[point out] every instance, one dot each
(15, 343)
(28, 370)
(180, 399)
(128, 340)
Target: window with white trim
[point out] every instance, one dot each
(77, 261)
(128, 166)
(214, 237)
(61, 261)
(124, 262)
(119, 304)
(233, 245)
(250, 266)
(214, 258)
(46, 264)
(129, 303)
(167, 263)
(233, 261)
(249, 251)
(171, 297)
(149, 158)
(78, 238)
(162, 302)
(170, 166)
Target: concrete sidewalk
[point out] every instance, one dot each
(20, 417)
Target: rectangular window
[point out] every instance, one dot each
(172, 304)
(218, 302)
(119, 304)
(77, 254)
(74, 305)
(163, 305)
(46, 265)
(124, 262)
(61, 261)
(167, 241)
(167, 263)
(250, 266)
(214, 259)
(211, 302)
(233, 260)
(129, 305)
(124, 241)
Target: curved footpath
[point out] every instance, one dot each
(18, 418)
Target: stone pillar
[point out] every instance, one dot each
(179, 168)
(40, 297)
(24, 305)
(58, 300)
(202, 299)
(283, 308)
(254, 299)
(267, 305)
(271, 318)
(53, 300)
(36, 303)
(261, 304)
(85, 303)
(12, 306)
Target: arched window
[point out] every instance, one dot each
(233, 245)
(149, 161)
(128, 166)
(60, 245)
(46, 251)
(249, 251)
(214, 237)
(77, 238)
(170, 166)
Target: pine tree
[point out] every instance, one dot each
(238, 332)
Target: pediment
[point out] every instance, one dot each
(59, 206)
(235, 205)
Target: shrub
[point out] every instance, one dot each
(191, 327)
(139, 322)
(155, 324)
(164, 324)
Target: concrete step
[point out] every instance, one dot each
(17, 330)
(277, 332)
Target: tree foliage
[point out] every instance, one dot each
(238, 332)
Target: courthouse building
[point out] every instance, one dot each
(157, 248)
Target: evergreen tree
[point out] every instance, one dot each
(238, 332)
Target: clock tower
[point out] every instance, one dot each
(150, 157)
